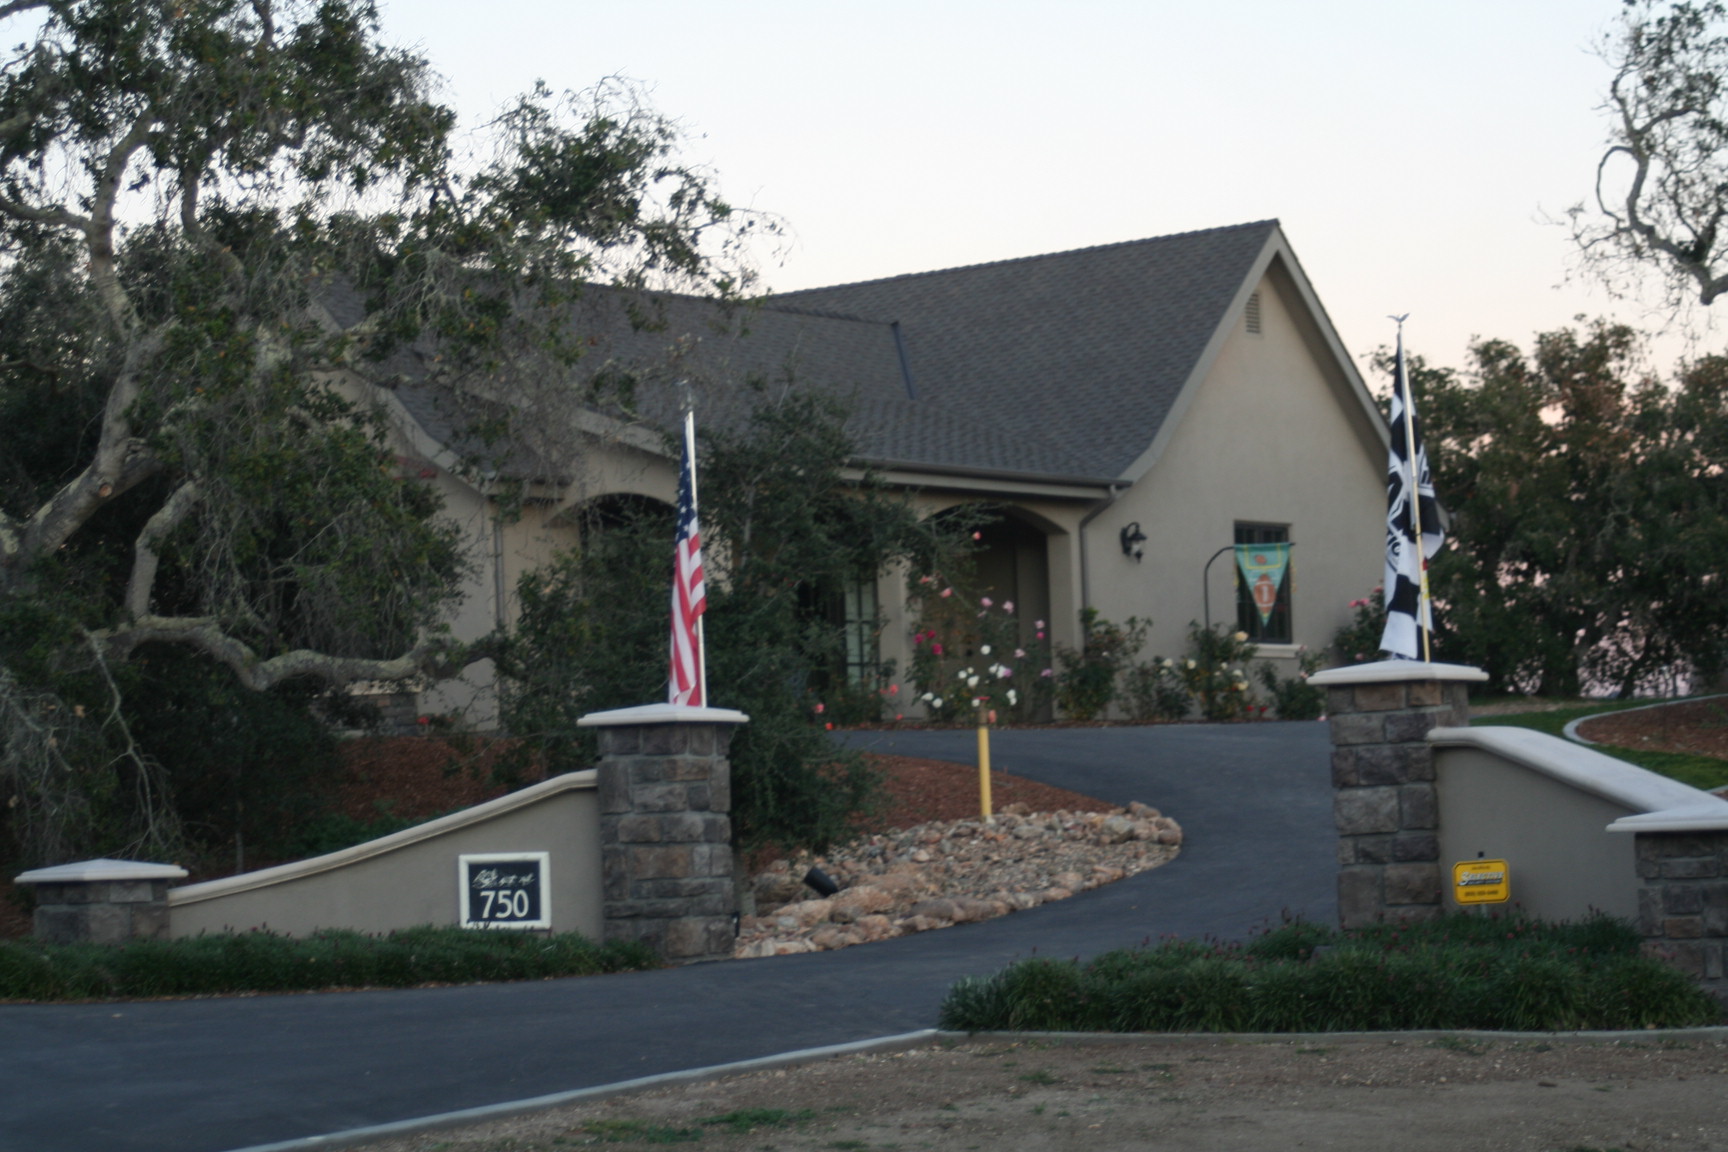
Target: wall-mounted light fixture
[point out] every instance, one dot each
(1133, 541)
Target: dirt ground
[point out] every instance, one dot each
(1413, 1093)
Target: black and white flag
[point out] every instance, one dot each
(1411, 511)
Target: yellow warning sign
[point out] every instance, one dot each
(1481, 882)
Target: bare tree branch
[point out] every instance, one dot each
(118, 465)
(190, 184)
(99, 232)
(57, 215)
(146, 550)
(206, 634)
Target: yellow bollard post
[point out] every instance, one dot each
(984, 769)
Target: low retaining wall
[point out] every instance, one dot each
(410, 878)
(1544, 805)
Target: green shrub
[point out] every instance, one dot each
(1153, 692)
(788, 530)
(960, 634)
(1458, 972)
(266, 962)
(1358, 642)
(1293, 697)
(1086, 685)
(1215, 672)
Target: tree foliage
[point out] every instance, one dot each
(781, 527)
(223, 224)
(1589, 513)
(1661, 193)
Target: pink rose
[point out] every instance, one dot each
(986, 601)
(1007, 605)
(936, 649)
(819, 709)
(947, 592)
(1037, 623)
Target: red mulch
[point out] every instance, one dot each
(1696, 726)
(923, 790)
(419, 777)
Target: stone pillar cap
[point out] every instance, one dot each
(661, 714)
(1700, 817)
(89, 871)
(1396, 672)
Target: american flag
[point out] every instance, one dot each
(688, 683)
(1411, 511)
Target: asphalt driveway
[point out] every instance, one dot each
(220, 1074)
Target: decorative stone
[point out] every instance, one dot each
(665, 829)
(1683, 898)
(101, 901)
(1385, 805)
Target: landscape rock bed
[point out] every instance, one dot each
(941, 873)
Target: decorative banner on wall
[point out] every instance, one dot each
(1263, 567)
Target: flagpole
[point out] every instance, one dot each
(701, 638)
(1423, 612)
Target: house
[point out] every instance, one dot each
(1131, 409)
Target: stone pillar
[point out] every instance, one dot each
(1683, 895)
(666, 829)
(1384, 800)
(101, 901)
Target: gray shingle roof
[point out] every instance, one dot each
(1060, 367)
(1073, 358)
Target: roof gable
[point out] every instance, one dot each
(1071, 367)
(1087, 350)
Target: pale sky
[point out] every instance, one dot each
(1412, 151)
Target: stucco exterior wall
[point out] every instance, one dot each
(410, 877)
(1564, 864)
(1544, 804)
(1273, 433)
(501, 549)
(1270, 437)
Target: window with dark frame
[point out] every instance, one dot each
(1277, 628)
(860, 620)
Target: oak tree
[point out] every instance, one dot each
(1661, 193)
(225, 226)
(1589, 508)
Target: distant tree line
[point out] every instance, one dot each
(1588, 500)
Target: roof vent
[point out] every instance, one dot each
(1252, 313)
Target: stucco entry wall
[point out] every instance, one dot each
(1564, 864)
(410, 877)
(1268, 438)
